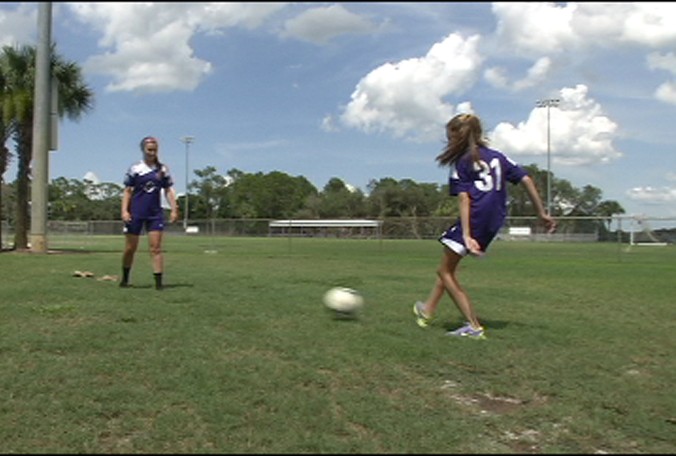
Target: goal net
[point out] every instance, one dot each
(641, 233)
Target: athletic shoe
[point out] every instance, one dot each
(420, 318)
(468, 331)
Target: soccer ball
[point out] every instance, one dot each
(344, 301)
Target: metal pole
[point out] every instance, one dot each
(41, 113)
(548, 103)
(549, 166)
(186, 140)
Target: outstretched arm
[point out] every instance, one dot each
(534, 196)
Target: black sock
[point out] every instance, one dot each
(158, 280)
(125, 274)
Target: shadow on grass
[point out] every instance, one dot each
(164, 287)
(178, 285)
(493, 325)
(342, 316)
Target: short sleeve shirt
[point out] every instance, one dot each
(485, 181)
(147, 184)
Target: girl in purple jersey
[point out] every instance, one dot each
(142, 208)
(478, 176)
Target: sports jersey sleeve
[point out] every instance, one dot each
(167, 180)
(513, 172)
(128, 180)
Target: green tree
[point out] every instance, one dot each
(105, 199)
(67, 199)
(17, 66)
(518, 202)
(272, 195)
(71, 199)
(588, 200)
(338, 201)
(404, 198)
(446, 205)
(211, 193)
(384, 198)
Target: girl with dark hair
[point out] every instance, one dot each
(142, 208)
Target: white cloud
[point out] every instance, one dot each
(216, 16)
(329, 123)
(648, 23)
(666, 91)
(534, 27)
(659, 61)
(546, 27)
(653, 195)
(580, 134)
(537, 73)
(319, 25)
(660, 199)
(407, 98)
(18, 26)
(497, 77)
(149, 43)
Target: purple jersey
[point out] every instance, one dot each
(485, 181)
(146, 184)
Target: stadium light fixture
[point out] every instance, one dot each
(548, 103)
(187, 140)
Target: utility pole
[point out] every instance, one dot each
(548, 103)
(41, 129)
(187, 140)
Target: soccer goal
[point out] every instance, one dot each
(642, 234)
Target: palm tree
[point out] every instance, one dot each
(17, 65)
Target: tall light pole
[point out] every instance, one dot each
(41, 113)
(187, 140)
(548, 103)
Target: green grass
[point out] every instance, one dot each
(238, 354)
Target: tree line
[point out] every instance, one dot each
(277, 195)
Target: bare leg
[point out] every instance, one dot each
(434, 297)
(155, 243)
(447, 275)
(130, 246)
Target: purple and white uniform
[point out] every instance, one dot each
(485, 182)
(147, 184)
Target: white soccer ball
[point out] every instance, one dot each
(343, 300)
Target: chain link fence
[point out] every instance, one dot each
(625, 229)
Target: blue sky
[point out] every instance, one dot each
(362, 91)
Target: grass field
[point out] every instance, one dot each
(238, 354)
